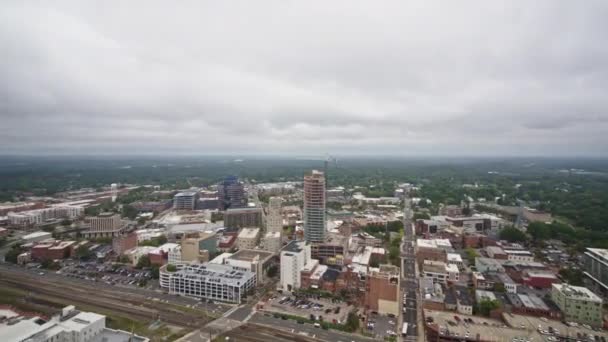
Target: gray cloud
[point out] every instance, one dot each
(473, 78)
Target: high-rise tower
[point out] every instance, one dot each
(314, 206)
(231, 193)
(274, 220)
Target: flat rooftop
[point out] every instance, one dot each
(249, 233)
(215, 273)
(294, 247)
(250, 255)
(487, 329)
(577, 292)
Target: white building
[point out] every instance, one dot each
(294, 257)
(211, 281)
(104, 225)
(274, 219)
(440, 272)
(71, 326)
(519, 255)
(256, 261)
(272, 242)
(36, 236)
(248, 238)
(174, 257)
(455, 259)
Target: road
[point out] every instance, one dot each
(409, 281)
(306, 329)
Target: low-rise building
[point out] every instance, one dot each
(578, 304)
(272, 242)
(70, 326)
(382, 290)
(440, 272)
(160, 255)
(519, 255)
(124, 242)
(488, 265)
(496, 252)
(540, 280)
(248, 238)
(256, 261)
(223, 283)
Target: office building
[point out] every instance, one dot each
(231, 193)
(256, 261)
(198, 246)
(294, 257)
(248, 238)
(596, 268)
(578, 304)
(314, 207)
(104, 225)
(272, 242)
(274, 219)
(382, 290)
(211, 281)
(185, 200)
(243, 217)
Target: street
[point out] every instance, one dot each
(409, 281)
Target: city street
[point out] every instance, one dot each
(409, 281)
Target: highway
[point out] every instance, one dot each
(409, 280)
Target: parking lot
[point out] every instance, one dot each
(328, 310)
(381, 325)
(109, 274)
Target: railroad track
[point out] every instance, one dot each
(131, 305)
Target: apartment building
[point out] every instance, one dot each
(294, 256)
(104, 225)
(578, 304)
(314, 207)
(248, 238)
(243, 217)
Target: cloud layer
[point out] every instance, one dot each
(406, 78)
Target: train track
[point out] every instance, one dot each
(130, 305)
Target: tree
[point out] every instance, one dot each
(486, 306)
(66, 222)
(572, 276)
(13, 253)
(471, 255)
(171, 268)
(155, 272)
(83, 253)
(143, 261)
(129, 211)
(352, 322)
(513, 234)
(421, 216)
(272, 271)
(124, 259)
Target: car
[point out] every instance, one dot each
(317, 325)
(391, 322)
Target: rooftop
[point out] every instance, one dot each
(434, 243)
(186, 193)
(215, 273)
(250, 255)
(577, 292)
(249, 233)
(294, 247)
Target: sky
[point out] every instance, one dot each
(411, 78)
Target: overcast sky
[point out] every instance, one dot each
(403, 77)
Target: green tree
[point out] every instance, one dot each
(572, 276)
(512, 234)
(83, 253)
(129, 211)
(171, 268)
(471, 255)
(421, 216)
(143, 261)
(155, 272)
(352, 322)
(272, 271)
(485, 306)
(124, 259)
(13, 253)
